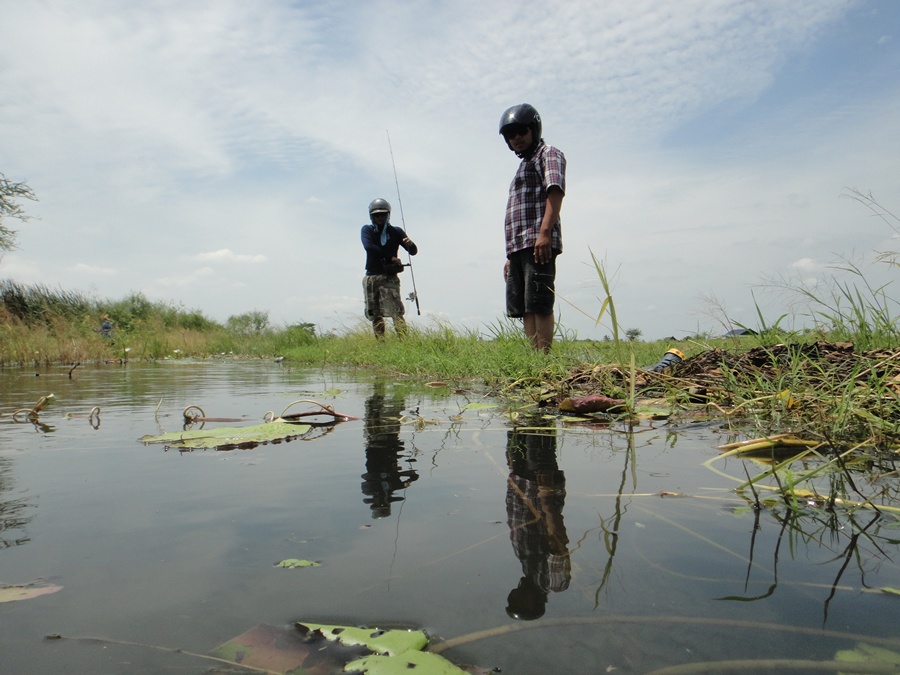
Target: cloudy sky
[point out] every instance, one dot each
(221, 154)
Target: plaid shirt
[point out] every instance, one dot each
(529, 536)
(528, 198)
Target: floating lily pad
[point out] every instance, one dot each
(26, 592)
(402, 664)
(229, 437)
(277, 650)
(292, 563)
(390, 642)
(324, 648)
(865, 653)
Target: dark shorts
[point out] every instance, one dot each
(529, 287)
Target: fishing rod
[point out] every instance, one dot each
(414, 295)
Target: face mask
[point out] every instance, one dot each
(383, 229)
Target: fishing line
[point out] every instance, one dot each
(412, 275)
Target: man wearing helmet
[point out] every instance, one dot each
(533, 229)
(381, 285)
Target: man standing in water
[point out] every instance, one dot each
(533, 229)
(381, 285)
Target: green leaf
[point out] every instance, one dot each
(323, 648)
(865, 653)
(229, 437)
(402, 664)
(390, 642)
(292, 563)
(891, 591)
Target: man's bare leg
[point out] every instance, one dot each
(539, 329)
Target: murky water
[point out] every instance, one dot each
(421, 513)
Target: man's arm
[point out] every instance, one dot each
(409, 245)
(543, 252)
(369, 241)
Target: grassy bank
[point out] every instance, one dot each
(853, 398)
(41, 327)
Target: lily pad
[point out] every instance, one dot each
(401, 664)
(865, 653)
(292, 563)
(26, 592)
(317, 649)
(277, 650)
(229, 437)
(390, 642)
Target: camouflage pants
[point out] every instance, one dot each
(382, 293)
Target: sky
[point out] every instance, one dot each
(220, 155)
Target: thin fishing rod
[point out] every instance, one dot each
(412, 275)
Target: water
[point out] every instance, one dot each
(408, 511)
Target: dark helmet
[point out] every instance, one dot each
(526, 115)
(379, 206)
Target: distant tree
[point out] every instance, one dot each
(633, 334)
(10, 192)
(299, 334)
(249, 323)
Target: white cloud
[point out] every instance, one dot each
(189, 278)
(708, 144)
(93, 270)
(227, 255)
(806, 264)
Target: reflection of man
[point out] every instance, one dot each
(384, 448)
(535, 495)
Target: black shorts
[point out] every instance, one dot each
(530, 288)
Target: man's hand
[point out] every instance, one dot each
(543, 248)
(505, 270)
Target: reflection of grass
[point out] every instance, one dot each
(851, 541)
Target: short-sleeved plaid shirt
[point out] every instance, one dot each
(528, 198)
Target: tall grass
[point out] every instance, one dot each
(848, 305)
(442, 351)
(43, 326)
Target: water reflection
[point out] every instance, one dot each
(670, 566)
(34, 420)
(853, 541)
(385, 450)
(12, 511)
(535, 496)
